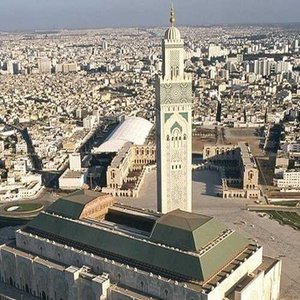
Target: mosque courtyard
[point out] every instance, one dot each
(278, 241)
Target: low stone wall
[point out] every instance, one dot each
(273, 207)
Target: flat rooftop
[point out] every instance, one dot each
(246, 155)
(82, 196)
(72, 174)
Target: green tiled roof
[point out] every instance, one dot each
(72, 205)
(150, 254)
(185, 230)
(66, 208)
(122, 246)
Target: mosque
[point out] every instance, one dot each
(86, 246)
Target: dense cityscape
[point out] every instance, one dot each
(112, 133)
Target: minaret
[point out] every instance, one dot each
(174, 126)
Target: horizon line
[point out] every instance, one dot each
(148, 26)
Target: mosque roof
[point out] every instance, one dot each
(172, 34)
(180, 245)
(185, 230)
(72, 205)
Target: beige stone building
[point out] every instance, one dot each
(240, 169)
(126, 172)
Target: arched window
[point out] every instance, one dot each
(207, 152)
(250, 175)
(176, 133)
(113, 174)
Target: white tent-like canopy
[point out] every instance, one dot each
(133, 129)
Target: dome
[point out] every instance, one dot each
(172, 34)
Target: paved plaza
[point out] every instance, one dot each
(278, 241)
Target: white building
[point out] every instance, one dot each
(44, 65)
(74, 177)
(174, 126)
(292, 147)
(216, 51)
(89, 122)
(28, 187)
(75, 161)
(290, 179)
(72, 180)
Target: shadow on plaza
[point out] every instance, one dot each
(206, 182)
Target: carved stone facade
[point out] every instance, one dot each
(126, 173)
(174, 128)
(240, 167)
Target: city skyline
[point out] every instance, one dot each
(19, 15)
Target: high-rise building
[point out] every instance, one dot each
(216, 51)
(44, 65)
(10, 67)
(16, 67)
(174, 126)
(296, 45)
(69, 67)
(75, 161)
(104, 45)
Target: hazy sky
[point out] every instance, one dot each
(51, 14)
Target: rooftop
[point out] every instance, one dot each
(133, 129)
(179, 244)
(116, 162)
(72, 205)
(247, 157)
(72, 174)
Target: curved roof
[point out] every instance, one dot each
(133, 129)
(172, 34)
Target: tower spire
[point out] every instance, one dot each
(172, 15)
